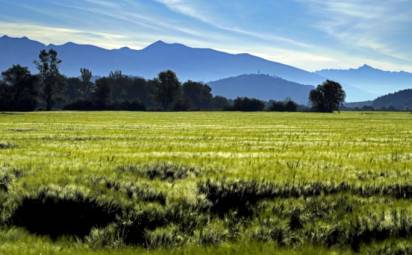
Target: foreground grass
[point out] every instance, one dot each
(208, 183)
(15, 242)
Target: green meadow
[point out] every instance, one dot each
(205, 183)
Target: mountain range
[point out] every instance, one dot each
(187, 62)
(198, 64)
(371, 80)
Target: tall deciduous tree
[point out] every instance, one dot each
(167, 89)
(50, 78)
(86, 82)
(327, 97)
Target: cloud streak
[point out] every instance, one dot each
(366, 24)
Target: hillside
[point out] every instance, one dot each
(264, 87)
(400, 100)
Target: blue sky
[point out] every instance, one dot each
(311, 34)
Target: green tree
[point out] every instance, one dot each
(248, 104)
(167, 90)
(19, 91)
(220, 103)
(50, 78)
(86, 82)
(197, 94)
(73, 90)
(327, 97)
(103, 93)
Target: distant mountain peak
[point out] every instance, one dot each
(69, 44)
(161, 45)
(15, 38)
(157, 44)
(125, 48)
(366, 67)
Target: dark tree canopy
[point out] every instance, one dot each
(197, 95)
(167, 89)
(18, 90)
(50, 78)
(283, 106)
(327, 97)
(220, 103)
(103, 93)
(86, 83)
(248, 104)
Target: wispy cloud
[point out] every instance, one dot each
(201, 13)
(59, 35)
(366, 24)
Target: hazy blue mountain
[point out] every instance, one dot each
(401, 100)
(371, 80)
(261, 86)
(188, 63)
(359, 104)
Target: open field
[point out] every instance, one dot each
(205, 182)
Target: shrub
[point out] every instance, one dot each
(248, 104)
(285, 106)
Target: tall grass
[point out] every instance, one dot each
(205, 183)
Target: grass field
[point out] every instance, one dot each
(205, 183)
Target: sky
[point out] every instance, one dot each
(310, 34)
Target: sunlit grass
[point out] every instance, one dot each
(367, 156)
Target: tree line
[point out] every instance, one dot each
(49, 89)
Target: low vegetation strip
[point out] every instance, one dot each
(339, 182)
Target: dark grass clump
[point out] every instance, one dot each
(6, 145)
(238, 196)
(374, 227)
(148, 225)
(161, 171)
(56, 212)
(133, 191)
(395, 190)
(392, 248)
(150, 218)
(7, 176)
